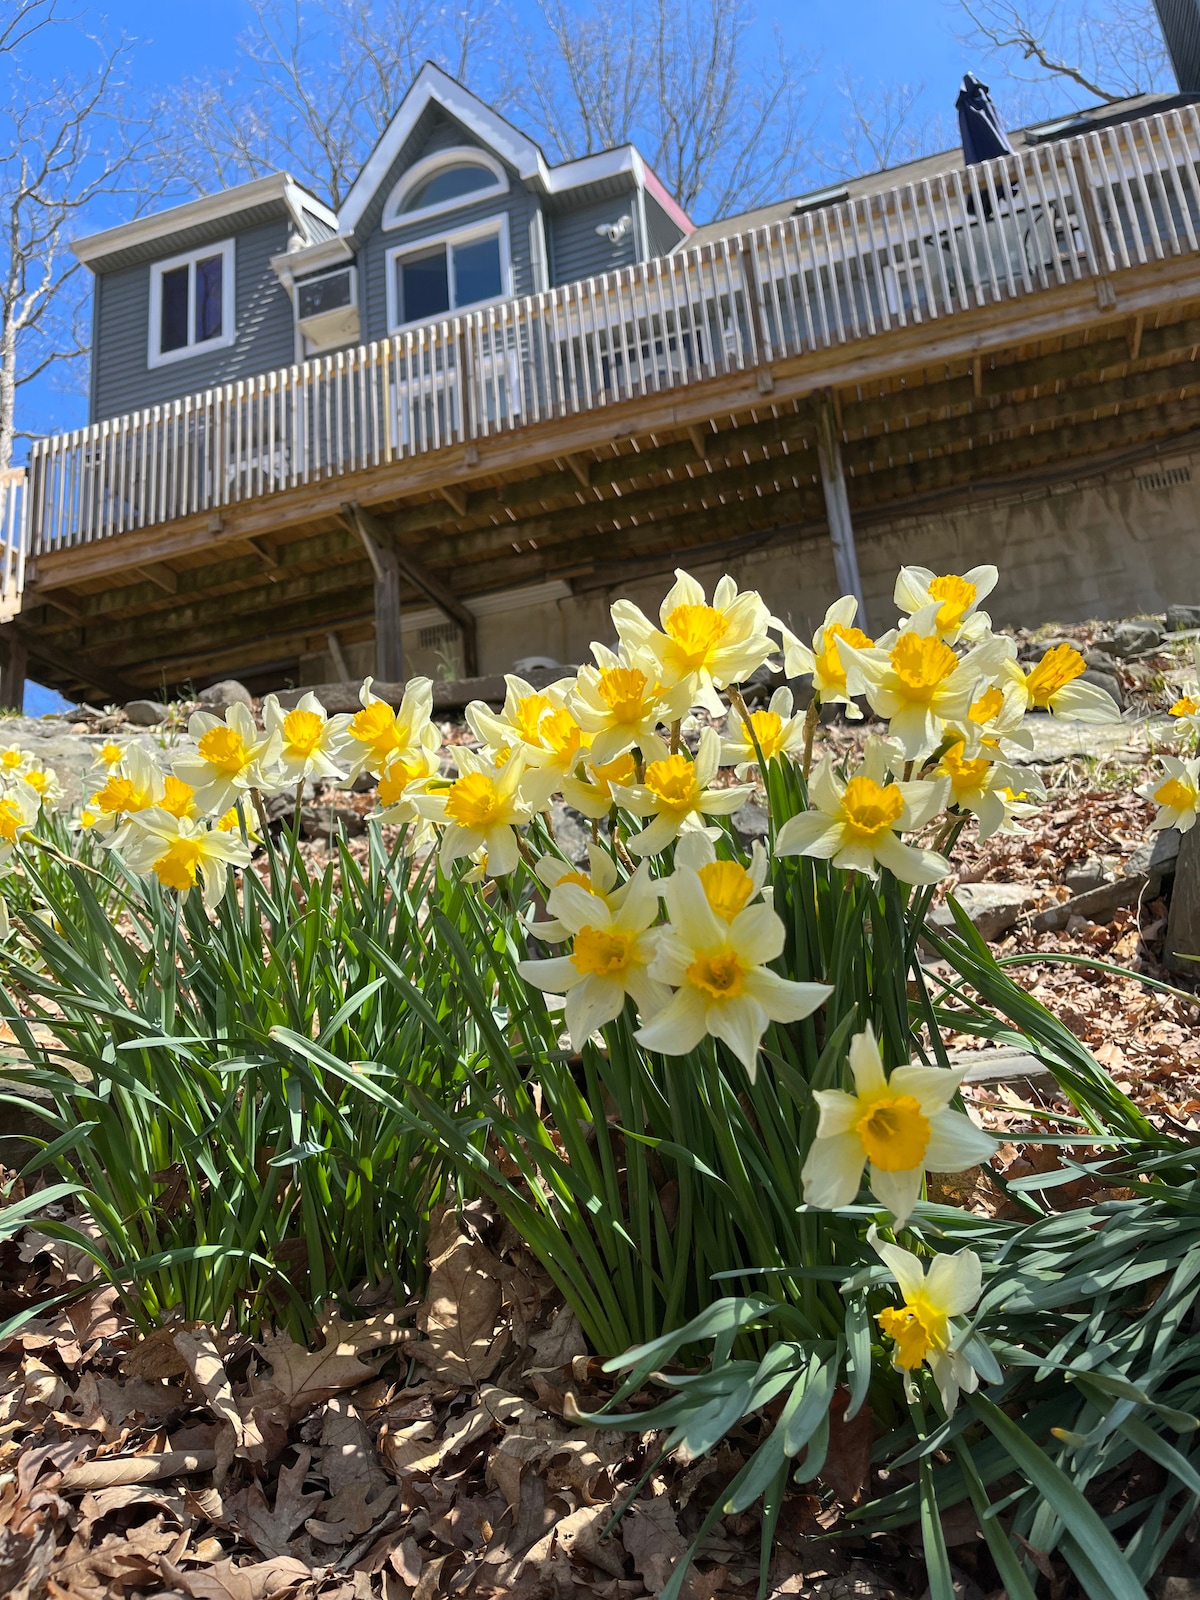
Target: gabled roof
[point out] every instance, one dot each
(432, 86)
(276, 186)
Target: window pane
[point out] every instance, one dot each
(448, 185)
(477, 271)
(208, 298)
(424, 288)
(174, 331)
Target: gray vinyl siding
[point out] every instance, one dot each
(430, 135)
(578, 251)
(122, 378)
(663, 233)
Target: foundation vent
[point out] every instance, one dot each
(1165, 478)
(435, 637)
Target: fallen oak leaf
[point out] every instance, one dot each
(268, 1528)
(301, 1378)
(223, 1581)
(136, 1469)
(459, 1314)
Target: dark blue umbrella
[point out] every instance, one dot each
(983, 134)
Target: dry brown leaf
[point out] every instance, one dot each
(268, 1528)
(28, 1535)
(460, 1312)
(653, 1540)
(122, 1560)
(223, 1581)
(577, 1538)
(352, 1352)
(848, 1462)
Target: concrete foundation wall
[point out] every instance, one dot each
(1115, 547)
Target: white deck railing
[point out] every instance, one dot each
(912, 254)
(14, 539)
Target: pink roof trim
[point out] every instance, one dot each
(671, 206)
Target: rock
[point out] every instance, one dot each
(364, 783)
(994, 908)
(572, 832)
(1089, 874)
(527, 664)
(1100, 660)
(1136, 638)
(1105, 681)
(318, 822)
(219, 697)
(1181, 619)
(750, 823)
(1016, 1068)
(146, 713)
(1155, 861)
(1181, 951)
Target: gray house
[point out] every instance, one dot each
(454, 208)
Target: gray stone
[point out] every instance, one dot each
(229, 692)
(146, 713)
(1181, 618)
(1014, 1067)
(750, 822)
(1136, 638)
(1181, 952)
(572, 832)
(1105, 681)
(1089, 874)
(1100, 660)
(318, 822)
(994, 908)
(1155, 861)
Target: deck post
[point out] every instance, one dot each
(389, 649)
(14, 662)
(837, 505)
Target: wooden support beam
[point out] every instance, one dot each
(701, 439)
(431, 586)
(837, 506)
(14, 661)
(389, 646)
(977, 377)
(455, 498)
(159, 574)
(1134, 333)
(335, 653)
(580, 469)
(62, 600)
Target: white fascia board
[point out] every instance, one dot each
(432, 85)
(193, 213)
(591, 169)
(290, 264)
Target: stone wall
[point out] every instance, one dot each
(1118, 546)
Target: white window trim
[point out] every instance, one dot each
(460, 155)
(478, 230)
(162, 358)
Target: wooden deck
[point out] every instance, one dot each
(610, 428)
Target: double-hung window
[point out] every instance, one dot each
(430, 279)
(191, 303)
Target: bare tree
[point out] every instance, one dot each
(883, 127)
(1099, 49)
(723, 130)
(319, 82)
(63, 148)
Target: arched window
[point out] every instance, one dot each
(443, 182)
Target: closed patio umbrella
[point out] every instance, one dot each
(982, 131)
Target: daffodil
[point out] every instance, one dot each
(600, 881)
(109, 757)
(719, 970)
(379, 735)
(728, 886)
(231, 757)
(980, 785)
(621, 702)
(898, 1127)
(178, 852)
(14, 760)
(137, 788)
(19, 807)
(1177, 795)
(919, 684)
(593, 792)
(677, 793)
(922, 1329)
(835, 680)
(482, 808)
(705, 647)
(518, 725)
(994, 720)
(44, 782)
(947, 605)
(776, 733)
(1052, 686)
(400, 782)
(611, 954)
(310, 742)
(856, 823)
